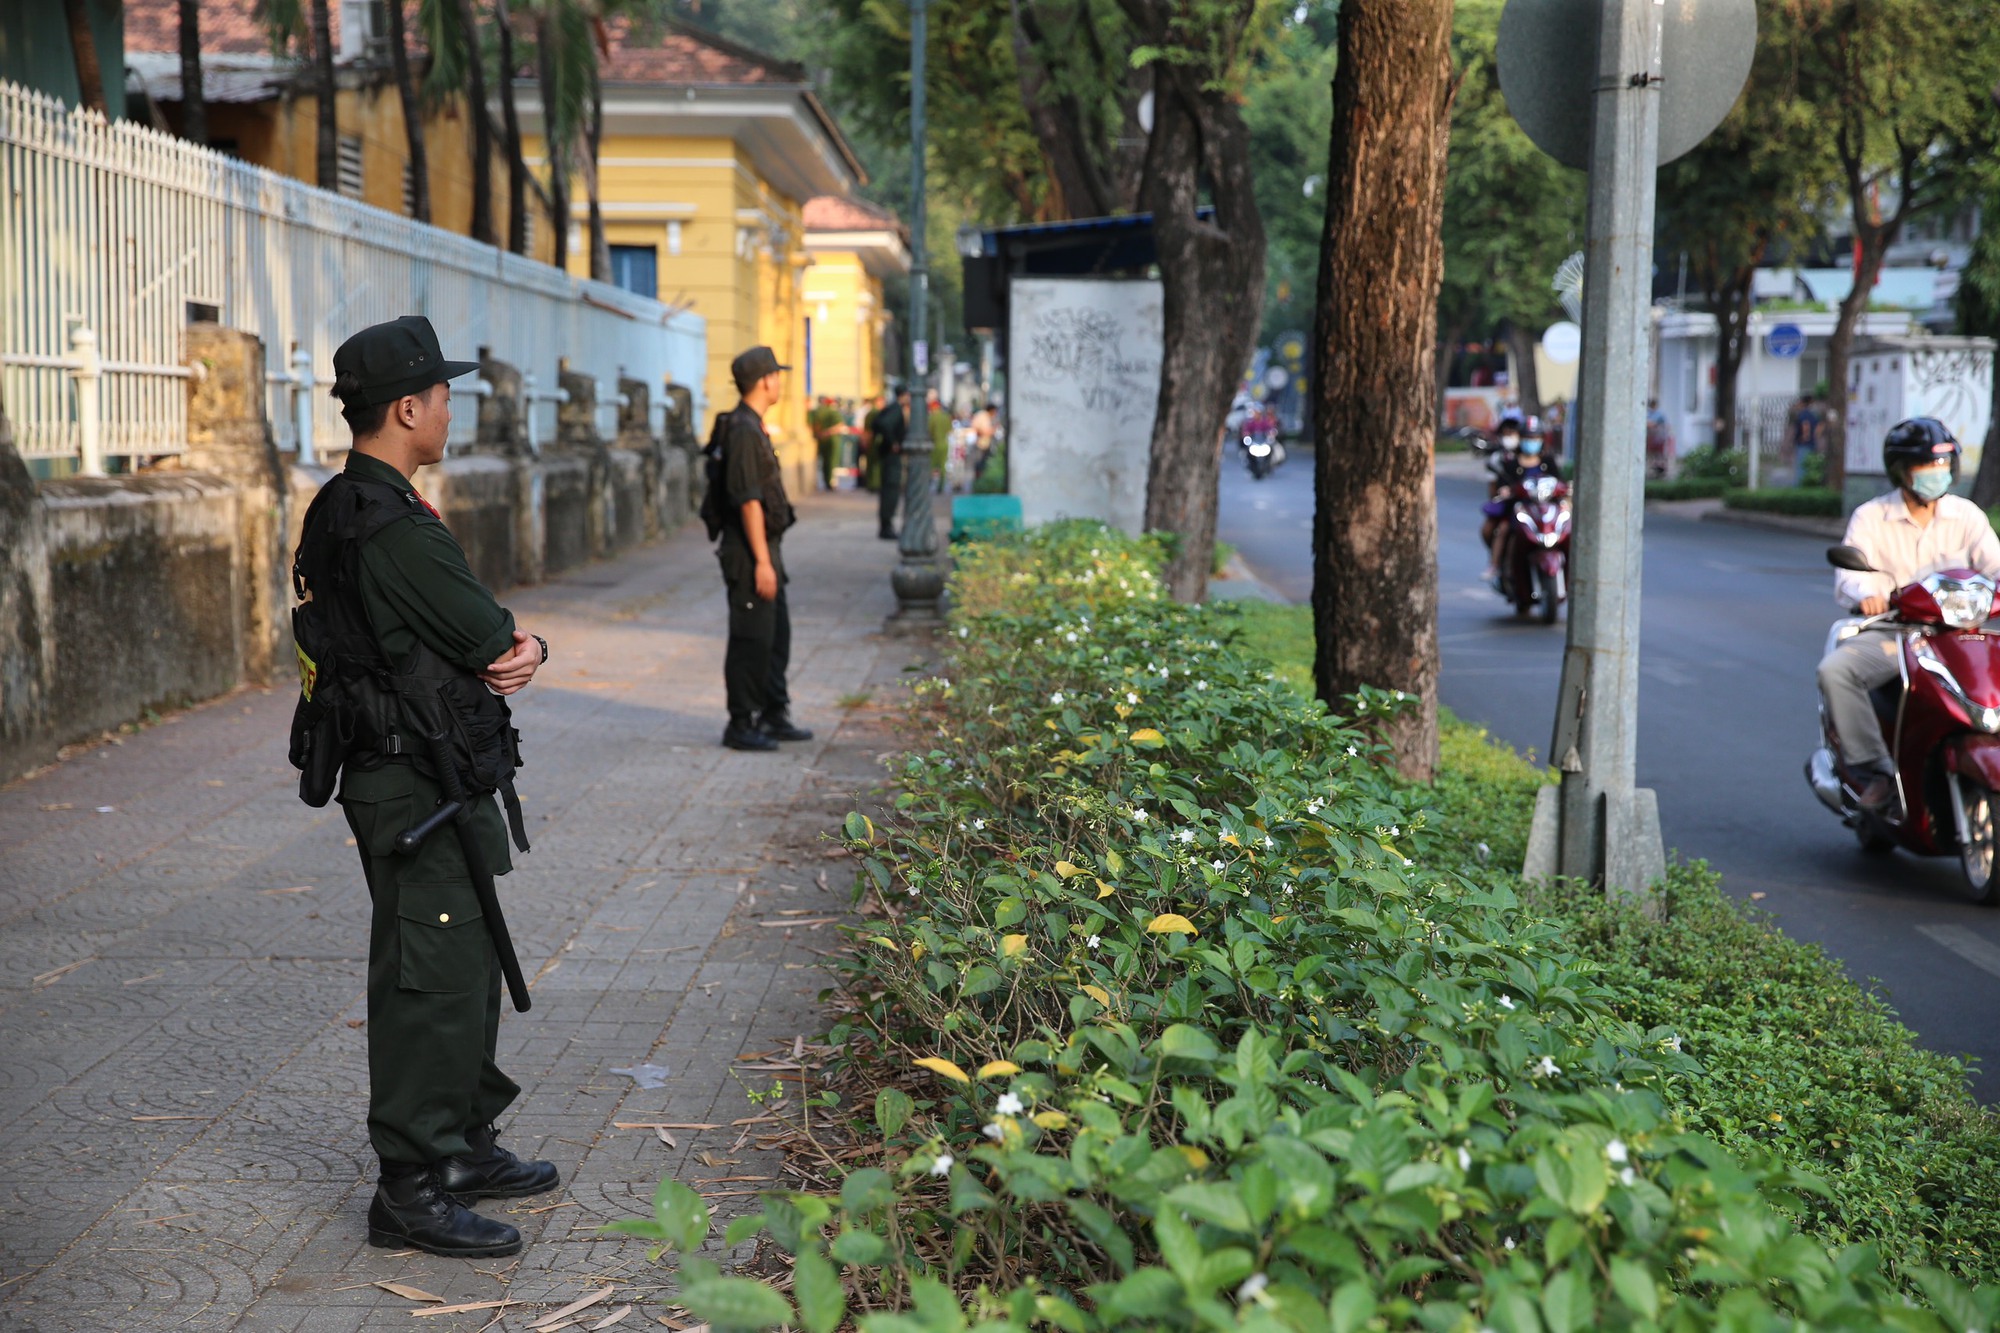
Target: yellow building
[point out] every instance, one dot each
(261, 108)
(853, 246)
(708, 155)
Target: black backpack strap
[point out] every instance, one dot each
(516, 824)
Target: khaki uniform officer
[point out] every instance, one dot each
(408, 651)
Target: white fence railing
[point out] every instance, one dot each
(121, 231)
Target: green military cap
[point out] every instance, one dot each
(393, 359)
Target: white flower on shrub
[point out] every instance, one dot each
(1408, 862)
(1216, 866)
(978, 823)
(1464, 1158)
(1094, 941)
(1313, 806)
(1627, 1177)
(1056, 698)
(1201, 684)
(1510, 1242)
(963, 632)
(1617, 1151)
(1186, 835)
(1253, 1287)
(1268, 842)
(1070, 637)
(1351, 752)
(941, 1164)
(1506, 1002)
(1548, 1068)
(1131, 698)
(993, 1131)
(1288, 890)
(1673, 1043)
(912, 890)
(1008, 1104)
(1138, 814)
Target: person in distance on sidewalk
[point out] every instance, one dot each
(755, 514)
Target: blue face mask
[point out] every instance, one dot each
(1531, 447)
(1930, 483)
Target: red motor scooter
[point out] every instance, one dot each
(1534, 557)
(1941, 718)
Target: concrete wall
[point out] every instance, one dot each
(129, 593)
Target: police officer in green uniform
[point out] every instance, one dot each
(753, 513)
(403, 649)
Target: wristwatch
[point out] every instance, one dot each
(545, 647)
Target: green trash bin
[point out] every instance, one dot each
(976, 516)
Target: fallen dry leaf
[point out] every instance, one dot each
(466, 1308)
(665, 1137)
(615, 1317)
(298, 888)
(410, 1293)
(171, 1117)
(549, 1321)
(658, 1124)
(57, 973)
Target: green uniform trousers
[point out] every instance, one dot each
(433, 975)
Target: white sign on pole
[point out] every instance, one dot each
(1084, 356)
(1562, 342)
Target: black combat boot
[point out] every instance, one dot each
(413, 1212)
(747, 738)
(780, 727)
(491, 1172)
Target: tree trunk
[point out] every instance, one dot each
(482, 126)
(83, 47)
(1212, 284)
(1733, 301)
(600, 251)
(323, 88)
(1068, 157)
(194, 104)
(1528, 389)
(555, 147)
(1840, 347)
(1381, 263)
(413, 118)
(510, 121)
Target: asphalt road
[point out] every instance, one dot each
(1734, 620)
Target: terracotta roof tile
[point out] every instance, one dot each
(227, 26)
(678, 54)
(830, 212)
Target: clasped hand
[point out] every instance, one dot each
(512, 671)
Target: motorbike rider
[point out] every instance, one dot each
(1914, 530)
(1517, 460)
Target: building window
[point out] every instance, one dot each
(636, 268)
(349, 168)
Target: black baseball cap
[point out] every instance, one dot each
(394, 359)
(754, 365)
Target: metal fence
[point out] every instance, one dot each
(1763, 432)
(113, 230)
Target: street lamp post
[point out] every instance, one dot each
(917, 579)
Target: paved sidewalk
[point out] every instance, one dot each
(182, 1084)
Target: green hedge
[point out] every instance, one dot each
(1688, 488)
(1805, 501)
(1199, 1019)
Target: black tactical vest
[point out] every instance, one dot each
(357, 708)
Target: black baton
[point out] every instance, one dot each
(458, 811)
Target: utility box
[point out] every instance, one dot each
(1890, 379)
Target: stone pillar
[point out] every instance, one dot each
(27, 638)
(576, 433)
(635, 432)
(501, 430)
(229, 436)
(683, 477)
(576, 420)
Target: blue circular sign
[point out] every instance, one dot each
(1785, 341)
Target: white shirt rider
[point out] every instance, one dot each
(1906, 537)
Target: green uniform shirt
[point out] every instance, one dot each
(940, 425)
(416, 585)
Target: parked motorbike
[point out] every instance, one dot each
(1941, 718)
(1534, 558)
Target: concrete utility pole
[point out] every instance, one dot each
(917, 579)
(1610, 830)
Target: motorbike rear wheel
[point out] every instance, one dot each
(1980, 850)
(1545, 592)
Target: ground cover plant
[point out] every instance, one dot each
(1200, 1020)
(1805, 501)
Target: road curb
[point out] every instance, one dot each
(1827, 529)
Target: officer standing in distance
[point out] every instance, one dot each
(748, 507)
(404, 659)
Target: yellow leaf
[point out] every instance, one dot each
(1104, 890)
(1068, 869)
(1148, 738)
(882, 940)
(937, 1065)
(917, 952)
(1196, 1158)
(1231, 839)
(1171, 923)
(1050, 1119)
(1013, 944)
(1114, 862)
(1099, 994)
(995, 1067)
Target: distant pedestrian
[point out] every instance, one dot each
(870, 454)
(940, 436)
(404, 659)
(984, 423)
(748, 509)
(892, 429)
(1805, 429)
(824, 421)
(1660, 457)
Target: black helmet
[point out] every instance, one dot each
(1915, 442)
(1510, 419)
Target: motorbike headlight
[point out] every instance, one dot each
(1963, 603)
(1550, 538)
